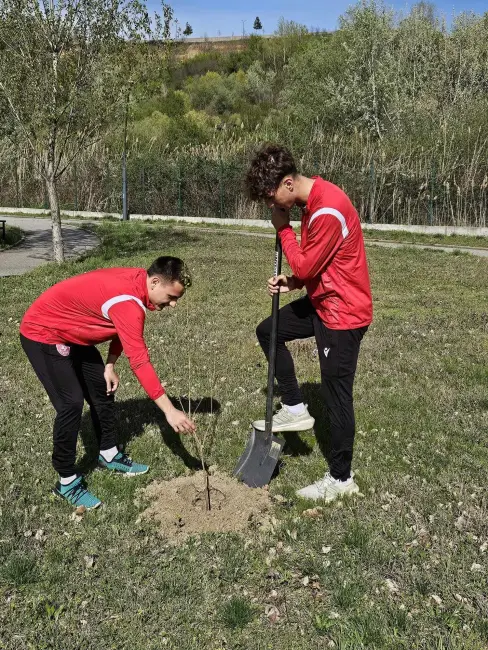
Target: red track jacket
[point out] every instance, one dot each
(331, 260)
(103, 305)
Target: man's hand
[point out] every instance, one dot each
(282, 283)
(179, 421)
(176, 419)
(280, 217)
(111, 378)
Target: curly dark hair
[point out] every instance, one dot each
(268, 168)
(171, 269)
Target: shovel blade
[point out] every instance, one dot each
(257, 464)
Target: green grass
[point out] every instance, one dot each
(404, 237)
(12, 236)
(421, 459)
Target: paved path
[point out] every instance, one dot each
(36, 249)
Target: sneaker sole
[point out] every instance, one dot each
(355, 490)
(60, 496)
(127, 474)
(306, 425)
(341, 495)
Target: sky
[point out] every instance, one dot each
(224, 18)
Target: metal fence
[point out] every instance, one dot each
(213, 187)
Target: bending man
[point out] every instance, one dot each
(59, 333)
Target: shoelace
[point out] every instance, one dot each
(77, 491)
(326, 480)
(123, 459)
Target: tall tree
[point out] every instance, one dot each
(257, 24)
(188, 31)
(64, 77)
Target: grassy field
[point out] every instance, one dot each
(12, 236)
(403, 566)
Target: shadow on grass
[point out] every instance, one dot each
(312, 395)
(132, 416)
(133, 238)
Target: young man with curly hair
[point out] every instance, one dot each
(59, 333)
(330, 263)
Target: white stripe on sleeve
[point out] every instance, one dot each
(116, 299)
(334, 213)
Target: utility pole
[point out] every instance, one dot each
(243, 30)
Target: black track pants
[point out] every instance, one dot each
(70, 375)
(338, 354)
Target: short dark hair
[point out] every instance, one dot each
(268, 168)
(171, 269)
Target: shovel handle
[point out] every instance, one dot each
(273, 341)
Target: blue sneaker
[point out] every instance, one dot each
(122, 463)
(76, 494)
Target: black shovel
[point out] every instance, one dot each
(257, 464)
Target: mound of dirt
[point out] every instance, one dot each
(178, 505)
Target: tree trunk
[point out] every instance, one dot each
(52, 192)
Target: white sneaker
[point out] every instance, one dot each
(328, 489)
(284, 420)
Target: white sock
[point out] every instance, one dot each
(109, 454)
(296, 409)
(66, 480)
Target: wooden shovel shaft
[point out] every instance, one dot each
(273, 342)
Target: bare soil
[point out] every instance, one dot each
(178, 505)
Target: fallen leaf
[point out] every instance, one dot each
(326, 549)
(437, 599)
(483, 547)
(476, 567)
(89, 561)
(305, 581)
(272, 613)
(392, 586)
(460, 523)
(313, 513)
(279, 498)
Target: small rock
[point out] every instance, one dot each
(326, 549)
(476, 567)
(437, 599)
(305, 581)
(28, 533)
(40, 535)
(484, 547)
(333, 615)
(273, 593)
